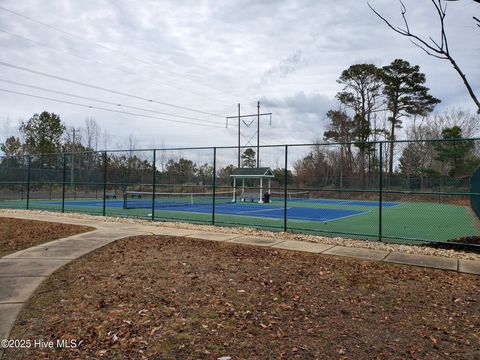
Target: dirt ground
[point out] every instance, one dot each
(176, 298)
(17, 234)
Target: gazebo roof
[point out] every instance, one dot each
(256, 173)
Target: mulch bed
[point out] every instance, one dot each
(469, 244)
(474, 240)
(18, 234)
(177, 298)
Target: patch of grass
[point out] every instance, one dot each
(179, 298)
(18, 234)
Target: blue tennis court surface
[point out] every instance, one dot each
(275, 212)
(345, 202)
(238, 209)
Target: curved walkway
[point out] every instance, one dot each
(22, 272)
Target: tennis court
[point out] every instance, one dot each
(403, 221)
(274, 210)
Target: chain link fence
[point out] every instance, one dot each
(403, 191)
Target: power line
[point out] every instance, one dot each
(106, 102)
(104, 109)
(110, 49)
(104, 89)
(104, 63)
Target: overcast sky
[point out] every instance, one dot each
(208, 56)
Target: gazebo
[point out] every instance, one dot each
(251, 173)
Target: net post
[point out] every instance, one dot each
(285, 187)
(380, 192)
(153, 182)
(214, 183)
(64, 179)
(104, 182)
(28, 180)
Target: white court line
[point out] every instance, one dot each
(255, 211)
(337, 218)
(296, 217)
(227, 206)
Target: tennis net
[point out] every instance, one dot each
(290, 195)
(145, 199)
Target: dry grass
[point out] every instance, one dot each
(177, 298)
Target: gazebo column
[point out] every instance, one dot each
(234, 199)
(269, 190)
(261, 191)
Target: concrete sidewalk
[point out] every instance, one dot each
(22, 272)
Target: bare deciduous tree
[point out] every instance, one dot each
(132, 144)
(467, 121)
(436, 48)
(92, 131)
(105, 139)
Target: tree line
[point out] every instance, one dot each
(373, 104)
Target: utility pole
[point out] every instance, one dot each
(238, 166)
(258, 134)
(239, 118)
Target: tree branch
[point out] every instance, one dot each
(477, 20)
(441, 16)
(436, 50)
(428, 52)
(406, 32)
(404, 11)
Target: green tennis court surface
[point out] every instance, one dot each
(402, 222)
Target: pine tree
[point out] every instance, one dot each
(248, 158)
(456, 153)
(43, 133)
(405, 95)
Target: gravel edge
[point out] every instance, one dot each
(366, 244)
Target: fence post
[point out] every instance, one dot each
(64, 180)
(285, 193)
(380, 194)
(104, 181)
(153, 182)
(28, 180)
(214, 185)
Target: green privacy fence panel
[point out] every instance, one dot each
(475, 192)
(334, 189)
